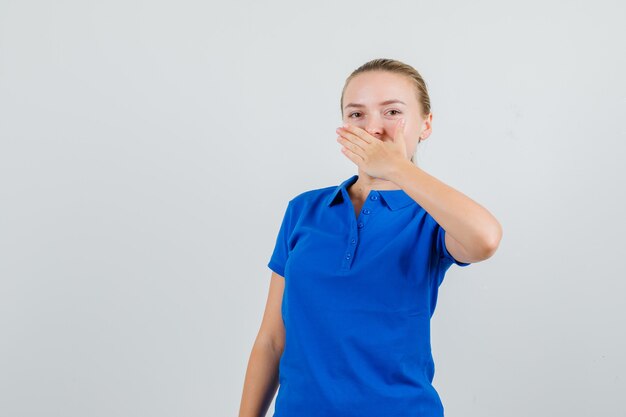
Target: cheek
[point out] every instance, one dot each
(357, 122)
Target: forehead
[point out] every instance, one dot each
(373, 87)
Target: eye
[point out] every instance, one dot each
(351, 114)
(398, 112)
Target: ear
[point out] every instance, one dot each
(427, 130)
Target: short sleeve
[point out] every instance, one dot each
(279, 256)
(442, 251)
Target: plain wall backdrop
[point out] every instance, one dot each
(148, 151)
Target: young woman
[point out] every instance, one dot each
(356, 267)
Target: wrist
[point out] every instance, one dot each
(400, 169)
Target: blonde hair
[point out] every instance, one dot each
(396, 67)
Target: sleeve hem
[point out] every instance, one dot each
(279, 269)
(448, 255)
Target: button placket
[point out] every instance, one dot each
(369, 207)
(367, 210)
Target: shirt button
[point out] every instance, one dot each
(353, 241)
(347, 256)
(374, 197)
(360, 225)
(366, 211)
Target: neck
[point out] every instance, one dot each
(366, 182)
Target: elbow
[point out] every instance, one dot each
(491, 241)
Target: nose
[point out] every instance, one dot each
(374, 126)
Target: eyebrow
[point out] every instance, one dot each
(382, 104)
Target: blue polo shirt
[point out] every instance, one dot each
(359, 295)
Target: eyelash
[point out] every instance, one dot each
(351, 114)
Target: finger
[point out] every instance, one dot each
(351, 146)
(352, 156)
(352, 138)
(399, 131)
(357, 131)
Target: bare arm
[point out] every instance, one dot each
(472, 232)
(261, 381)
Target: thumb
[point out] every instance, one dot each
(398, 136)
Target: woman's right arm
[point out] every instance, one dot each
(261, 380)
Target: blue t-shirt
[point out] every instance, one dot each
(359, 295)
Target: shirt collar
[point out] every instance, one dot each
(395, 199)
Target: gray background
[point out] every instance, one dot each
(148, 151)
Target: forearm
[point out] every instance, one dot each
(473, 226)
(261, 380)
